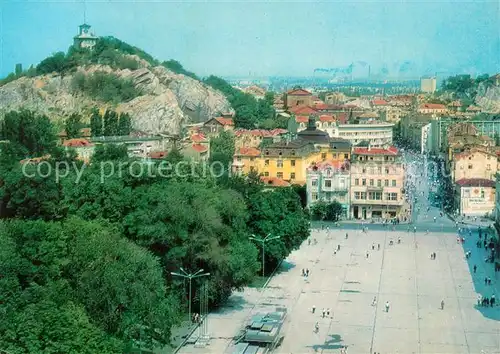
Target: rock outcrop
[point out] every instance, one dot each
(488, 97)
(168, 100)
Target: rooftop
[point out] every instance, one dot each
(199, 147)
(248, 151)
(225, 121)
(299, 92)
(391, 150)
(432, 106)
(76, 143)
(475, 182)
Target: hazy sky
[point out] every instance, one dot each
(267, 38)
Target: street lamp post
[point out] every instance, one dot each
(263, 241)
(190, 276)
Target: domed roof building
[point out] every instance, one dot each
(313, 134)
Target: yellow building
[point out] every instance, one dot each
(289, 160)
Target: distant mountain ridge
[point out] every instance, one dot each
(165, 100)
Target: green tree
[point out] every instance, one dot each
(110, 152)
(96, 123)
(112, 123)
(334, 211)
(73, 125)
(222, 149)
(108, 126)
(55, 63)
(319, 210)
(124, 124)
(33, 133)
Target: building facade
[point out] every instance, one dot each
(216, 125)
(298, 97)
(475, 197)
(329, 181)
(377, 183)
(428, 84)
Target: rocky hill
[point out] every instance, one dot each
(167, 100)
(488, 96)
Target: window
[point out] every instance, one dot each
(266, 174)
(371, 182)
(266, 162)
(356, 182)
(391, 196)
(470, 166)
(314, 182)
(279, 163)
(292, 175)
(363, 195)
(323, 155)
(292, 163)
(394, 183)
(328, 183)
(346, 156)
(379, 183)
(364, 170)
(386, 183)
(357, 195)
(363, 182)
(386, 171)
(374, 195)
(314, 196)
(279, 174)
(379, 170)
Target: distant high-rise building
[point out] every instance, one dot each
(428, 84)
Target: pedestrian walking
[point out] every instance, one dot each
(378, 246)
(367, 254)
(346, 235)
(309, 242)
(313, 309)
(373, 246)
(328, 312)
(387, 306)
(374, 301)
(316, 327)
(474, 268)
(486, 281)
(338, 247)
(303, 272)
(479, 300)
(442, 304)
(307, 272)
(492, 300)
(323, 313)
(489, 281)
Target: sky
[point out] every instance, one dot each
(268, 38)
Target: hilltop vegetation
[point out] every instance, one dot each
(86, 261)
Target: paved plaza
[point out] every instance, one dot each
(348, 281)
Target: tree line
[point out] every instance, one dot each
(85, 267)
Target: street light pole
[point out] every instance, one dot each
(263, 241)
(190, 276)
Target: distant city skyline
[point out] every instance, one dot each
(404, 39)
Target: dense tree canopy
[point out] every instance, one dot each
(102, 284)
(250, 112)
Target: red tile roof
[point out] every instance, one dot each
(380, 102)
(225, 121)
(299, 92)
(327, 118)
(200, 147)
(302, 110)
(274, 181)
(302, 119)
(260, 132)
(249, 151)
(157, 155)
(375, 151)
(475, 182)
(34, 160)
(321, 106)
(432, 106)
(77, 143)
(198, 137)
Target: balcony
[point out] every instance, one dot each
(377, 202)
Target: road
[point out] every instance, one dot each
(346, 283)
